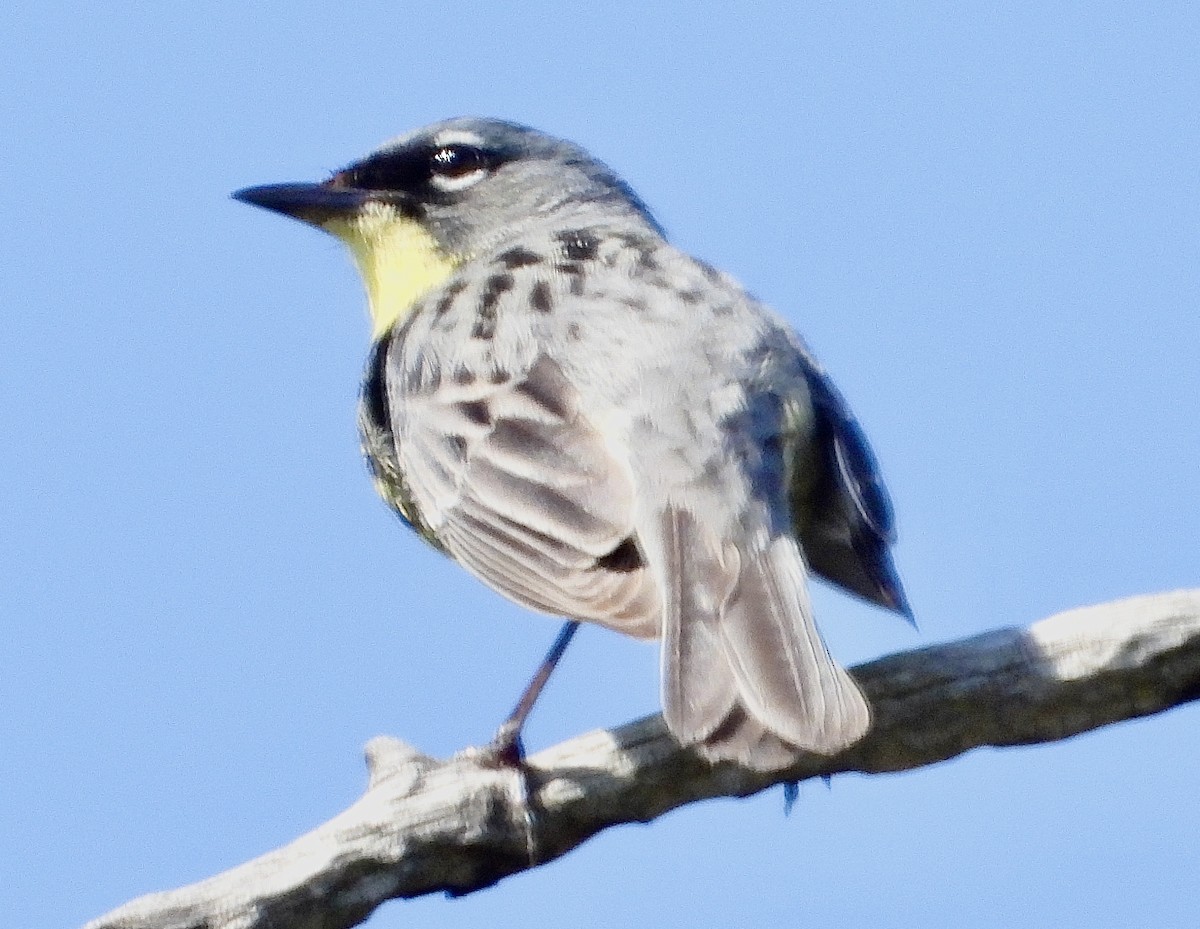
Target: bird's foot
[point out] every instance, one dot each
(506, 749)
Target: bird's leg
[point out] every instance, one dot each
(506, 745)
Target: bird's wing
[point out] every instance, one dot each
(845, 525)
(522, 489)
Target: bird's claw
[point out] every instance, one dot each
(506, 749)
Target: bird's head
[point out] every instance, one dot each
(413, 210)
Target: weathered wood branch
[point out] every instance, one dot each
(425, 825)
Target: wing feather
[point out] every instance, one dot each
(524, 491)
(845, 519)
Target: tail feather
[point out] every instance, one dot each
(746, 675)
(698, 690)
(743, 739)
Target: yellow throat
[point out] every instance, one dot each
(398, 260)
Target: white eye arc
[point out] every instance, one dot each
(457, 167)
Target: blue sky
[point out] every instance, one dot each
(983, 217)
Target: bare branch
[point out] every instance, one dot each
(425, 825)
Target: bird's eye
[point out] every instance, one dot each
(456, 167)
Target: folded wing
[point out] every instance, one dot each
(522, 490)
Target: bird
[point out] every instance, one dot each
(602, 427)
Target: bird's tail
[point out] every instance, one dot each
(745, 674)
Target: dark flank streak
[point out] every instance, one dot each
(485, 324)
(519, 258)
(496, 286)
(448, 297)
(539, 297)
(485, 321)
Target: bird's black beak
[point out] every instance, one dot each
(315, 204)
